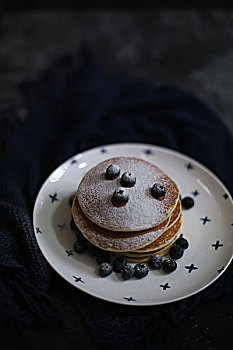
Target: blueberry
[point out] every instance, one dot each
(92, 249)
(105, 269)
(176, 251)
(71, 199)
(158, 190)
(79, 235)
(182, 242)
(120, 197)
(128, 179)
(187, 202)
(119, 263)
(112, 172)
(169, 265)
(155, 262)
(80, 246)
(127, 272)
(73, 225)
(102, 257)
(141, 270)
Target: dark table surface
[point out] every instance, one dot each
(190, 49)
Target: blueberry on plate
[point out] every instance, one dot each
(141, 270)
(128, 179)
(119, 263)
(176, 251)
(127, 272)
(155, 262)
(120, 197)
(181, 241)
(93, 250)
(169, 265)
(112, 172)
(79, 235)
(71, 199)
(103, 257)
(158, 190)
(80, 246)
(73, 225)
(105, 269)
(187, 202)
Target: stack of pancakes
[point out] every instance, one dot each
(143, 226)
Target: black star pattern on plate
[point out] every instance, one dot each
(148, 152)
(38, 230)
(195, 193)
(189, 166)
(62, 227)
(165, 286)
(78, 279)
(69, 252)
(221, 270)
(74, 161)
(217, 245)
(205, 220)
(191, 267)
(130, 299)
(103, 150)
(53, 197)
(225, 196)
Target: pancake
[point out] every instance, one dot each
(141, 212)
(165, 238)
(146, 257)
(118, 241)
(159, 244)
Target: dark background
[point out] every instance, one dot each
(188, 47)
(191, 48)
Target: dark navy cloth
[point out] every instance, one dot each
(72, 107)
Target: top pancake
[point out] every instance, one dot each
(142, 211)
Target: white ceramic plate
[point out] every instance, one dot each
(208, 226)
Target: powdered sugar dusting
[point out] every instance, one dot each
(142, 211)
